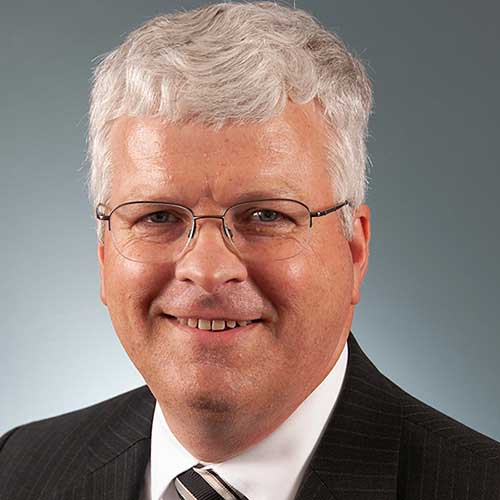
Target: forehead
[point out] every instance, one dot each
(283, 156)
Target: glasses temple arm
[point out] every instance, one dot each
(320, 213)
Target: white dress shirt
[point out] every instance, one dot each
(272, 469)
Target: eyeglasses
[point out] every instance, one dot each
(259, 230)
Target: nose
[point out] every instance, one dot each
(209, 260)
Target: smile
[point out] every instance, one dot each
(213, 324)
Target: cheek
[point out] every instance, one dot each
(310, 293)
(280, 282)
(131, 288)
(312, 278)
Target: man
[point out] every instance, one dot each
(228, 177)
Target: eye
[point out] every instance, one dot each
(161, 217)
(266, 215)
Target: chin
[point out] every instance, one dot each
(213, 392)
(208, 390)
(211, 405)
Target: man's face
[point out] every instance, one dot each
(305, 304)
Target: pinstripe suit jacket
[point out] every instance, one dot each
(380, 443)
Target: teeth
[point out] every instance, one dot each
(214, 325)
(218, 324)
(204, 324)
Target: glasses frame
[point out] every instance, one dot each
(100, 215)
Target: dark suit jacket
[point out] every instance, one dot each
(380, 443)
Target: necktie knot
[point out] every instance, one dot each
(198, 483)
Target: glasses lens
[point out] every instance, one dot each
(150, 232)
(269, 229)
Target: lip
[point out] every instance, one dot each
(208, 336)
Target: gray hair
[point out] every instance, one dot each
(235, 62)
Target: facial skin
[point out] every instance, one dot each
(221, 394)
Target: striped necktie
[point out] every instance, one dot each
(204, 484)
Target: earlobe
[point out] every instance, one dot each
(360, 249)
(100, 257)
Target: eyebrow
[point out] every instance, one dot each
(244, 197)
(262, 194)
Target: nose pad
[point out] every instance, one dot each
(228, 237)
(228, 232)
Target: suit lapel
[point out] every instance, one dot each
(313, 488)
(357, 456)
(119, 453)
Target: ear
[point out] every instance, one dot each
(100, 257)
(360, 249)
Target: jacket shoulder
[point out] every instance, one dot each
(57, 447)
(438, 454)
(433, 455)
(419, 417)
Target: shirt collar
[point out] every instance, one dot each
(269, 470)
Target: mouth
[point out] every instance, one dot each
(213, 325)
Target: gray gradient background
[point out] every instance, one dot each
(429, 316)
